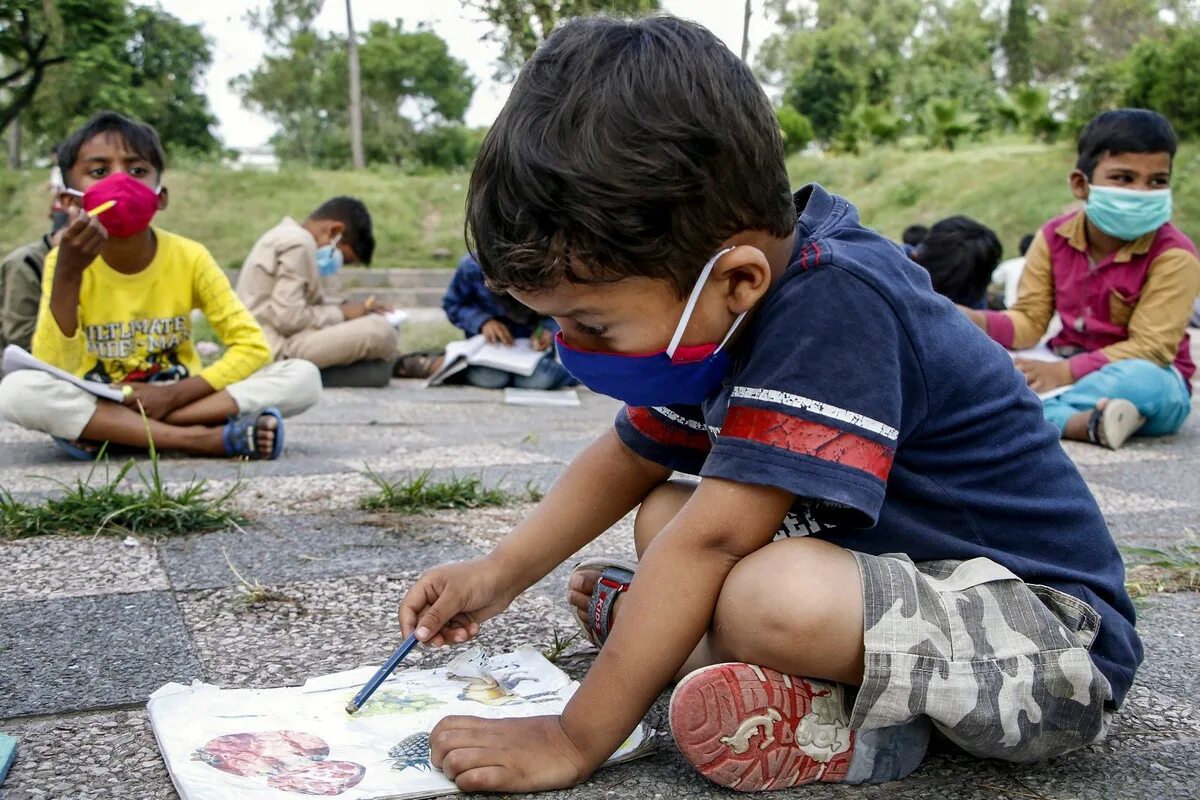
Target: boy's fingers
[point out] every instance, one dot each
(436, 616)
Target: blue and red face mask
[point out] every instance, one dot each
(673, 376)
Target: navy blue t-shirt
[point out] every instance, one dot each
(899, 426)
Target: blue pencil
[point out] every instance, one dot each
(381, 674)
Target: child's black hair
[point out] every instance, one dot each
(914, 234)
(627, 148)
(1025, 243)
(1124, 130)
(960, 255)
(139, 137)
(351, 212)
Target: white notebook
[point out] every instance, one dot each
(519, 358)
(16, 358)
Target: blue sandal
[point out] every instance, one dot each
(616, 574)
(241, 434)
(74, 450)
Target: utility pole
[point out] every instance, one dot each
(746, 31)
(356, 140)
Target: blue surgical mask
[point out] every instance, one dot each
(674, 376)
(1127, 213)
(329, 258)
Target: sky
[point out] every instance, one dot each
(238, 49)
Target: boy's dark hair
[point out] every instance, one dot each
(351, 212)
(959, 255)
(627, 148)
(1124, 130)
(914, 234)
(138, 137)
(1025, 243)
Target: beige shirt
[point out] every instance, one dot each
(20, 291)
(280, 285)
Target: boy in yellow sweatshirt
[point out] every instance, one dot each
(116, 307)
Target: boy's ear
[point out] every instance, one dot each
(1079, 184)
(164, 198)
(747, 273)
(336, 228)
(68, 201)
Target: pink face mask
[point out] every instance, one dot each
(135, 203)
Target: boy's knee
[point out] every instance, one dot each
(19, 397)
(381, 337)
(487, 377)
(304, 384)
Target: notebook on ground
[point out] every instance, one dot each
(519, 358)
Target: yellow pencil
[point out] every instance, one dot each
(100, 209)
(370, 302)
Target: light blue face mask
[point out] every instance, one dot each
(1127, 213)
(330, 258)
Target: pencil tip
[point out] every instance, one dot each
(351, 708)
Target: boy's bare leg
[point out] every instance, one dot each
(121, 425)
(794, 606)
(210, 410)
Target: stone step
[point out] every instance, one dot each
(380, 278)
(421, 297)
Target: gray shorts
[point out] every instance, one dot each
(1001, 667)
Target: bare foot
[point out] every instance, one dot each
(265, 434)
(579, 595)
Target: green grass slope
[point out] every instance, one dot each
(1011, 187)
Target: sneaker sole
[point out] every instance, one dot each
(753, 729)
(1120, 420)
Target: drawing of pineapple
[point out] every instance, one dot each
(411, 751)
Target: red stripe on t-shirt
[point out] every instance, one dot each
(808, 438)
(665, 432)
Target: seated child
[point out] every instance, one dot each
(1122, 278)
(21, 290)
(885, 534)
(912, 237)
(116, 307)
(960, 255)
(1008, 274)
(279, 283)
(476, 309)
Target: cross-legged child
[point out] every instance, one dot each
(1122, 278)
(116, 307)
(885, 533)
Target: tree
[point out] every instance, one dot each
(796, 129)
(355, 98)
(411, 84)
(25, 47)
(1017, 42)
(1164, 77)
(826, 94)
(521, 25)
(138, 60)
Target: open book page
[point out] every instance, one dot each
(541, 397)
(519, 358)
(1040, 353)
(280, 744)
(455, 358)
(16, 358)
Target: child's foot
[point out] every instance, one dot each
(256, 434)
(593, 590)
(1113, 422)
(750, 728)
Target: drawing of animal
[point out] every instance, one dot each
(411, 751)
(261, 753)
(325, 778)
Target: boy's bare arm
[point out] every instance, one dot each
(600, 486)
(669, 607)
(81, 242)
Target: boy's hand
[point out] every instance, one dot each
(354, 310)
(157, 400)
(82, 240)
(542, 341)
(1042, 376)
(448, 603)
(531, 754)
(496, 332)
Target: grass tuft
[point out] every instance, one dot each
(147, 508)
(559, 646)
(1176, 569)
(253, 593)
(421, 494)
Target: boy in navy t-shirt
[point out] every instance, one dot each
(885, 534)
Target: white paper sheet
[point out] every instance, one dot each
(1041, 353)
(16, 358)
(285, 744)
(519, 358)
(541, 397)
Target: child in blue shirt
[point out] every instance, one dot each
(476, 309)
(885, 533)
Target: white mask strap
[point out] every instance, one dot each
(691, 306)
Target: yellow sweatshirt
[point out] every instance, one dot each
(138, 327)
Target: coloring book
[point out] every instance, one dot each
(282, 744)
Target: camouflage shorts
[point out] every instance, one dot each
(1001, 667)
